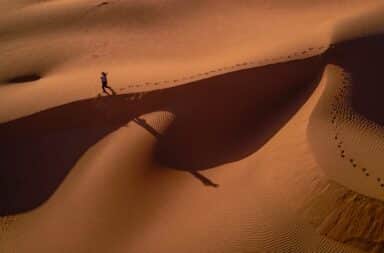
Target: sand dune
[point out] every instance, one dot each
(68, 131)
(204, 148)
(353, 142)
(162, 42)
(154, 201)
(349, 115)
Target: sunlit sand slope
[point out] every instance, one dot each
(63, 45)
(117, 199)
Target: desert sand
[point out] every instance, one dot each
(221, 135)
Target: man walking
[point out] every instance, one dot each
(104, 83)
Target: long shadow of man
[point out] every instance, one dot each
(206, 181)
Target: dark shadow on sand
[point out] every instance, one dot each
(363, 59)
(112, 91)
(24, 78)
(141, 122)
(218, 120)
(146, 126)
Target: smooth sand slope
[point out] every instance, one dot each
(225, 163)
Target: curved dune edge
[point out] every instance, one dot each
(122, 88)
(248, 218)
(347, 146)
(81, 53)
(347, 206)
(69, 130)
(272, 241)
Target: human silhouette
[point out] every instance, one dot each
(104, 84)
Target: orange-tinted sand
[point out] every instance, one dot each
(205, 147)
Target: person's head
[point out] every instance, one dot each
(103, 73)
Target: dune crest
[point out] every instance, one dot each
(348, 146)
(349, 149)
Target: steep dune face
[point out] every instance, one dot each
(215, 104)
(346, 135)
(350, 145)
(347, 145)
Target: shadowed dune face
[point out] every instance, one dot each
(209, 115)
(364, 60)
(24, 78)
(346, 127)
(44, 146)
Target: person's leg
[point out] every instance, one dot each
(104, 90)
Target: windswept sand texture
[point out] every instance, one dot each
(346, 133)
(221, 133)
(356, 142)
